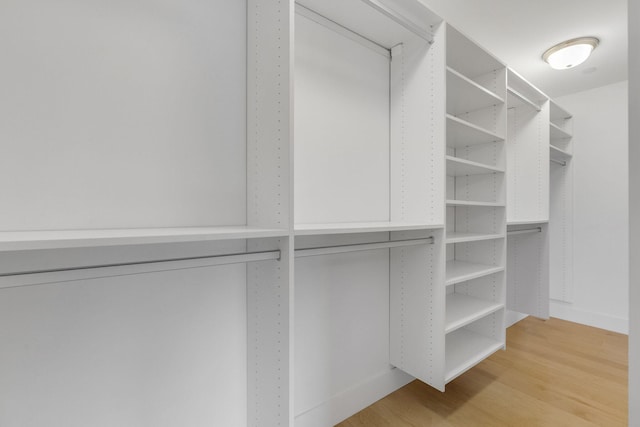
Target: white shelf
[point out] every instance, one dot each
(517, 99)
(462, 167)
(33, 240)
(471, 237)
(509, 223)
(557, 132)
(465, 349)
(360, 227)
(462, 309)
(472, 203)
(558, 113)
(461, 133)
(559, 154)
(461, 271)
(465, 95)
(467, 57)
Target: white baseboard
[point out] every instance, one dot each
(353, 400)
(565, 311)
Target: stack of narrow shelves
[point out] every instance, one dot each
(561, 133)
(561, 150)
(475, 222)
(368, 210)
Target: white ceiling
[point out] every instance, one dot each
(519, 31)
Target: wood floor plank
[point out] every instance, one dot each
(554, 373)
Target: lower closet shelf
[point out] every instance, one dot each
(461, 271)
(463, 309)
(465, 349)
(458, 237)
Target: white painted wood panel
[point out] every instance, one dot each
(527, 164)
(341, 325)
(341, 128)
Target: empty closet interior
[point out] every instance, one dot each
(359, 197)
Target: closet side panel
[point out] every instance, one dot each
(270, 337)
(417, 316)
(269, 113)
(417, 131)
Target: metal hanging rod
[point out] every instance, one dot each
(164, 264)
(525, 231)
(340, 29)
(560, 162)
(400, 19)
(338, 249)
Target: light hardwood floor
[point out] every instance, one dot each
(553, 373)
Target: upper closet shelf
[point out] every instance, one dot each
(517, 99)
(465, 95)
(558, 113)
(473, 203)
(527, 222)
(462, 167)
(34, 240)
(360, 227)
(467, 57)
(521, 93)
(458, 237)
(558, 154)
(461, 133)
(557, 132)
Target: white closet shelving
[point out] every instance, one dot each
(367, 170)
(154, 218)
(332, 206)
(560, 129)
(527, 199)
(466, 348)
(64, 239)
(527, 151)
(463, 310)
(561, 204)
(476, 93)
(559, 154)
(472, 289)
(461, 271)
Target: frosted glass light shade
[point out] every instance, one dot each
(570, 53)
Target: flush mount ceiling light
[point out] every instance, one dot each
(570, 53)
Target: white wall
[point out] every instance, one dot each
(634, 200)
(104, 104)
(600, 209)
